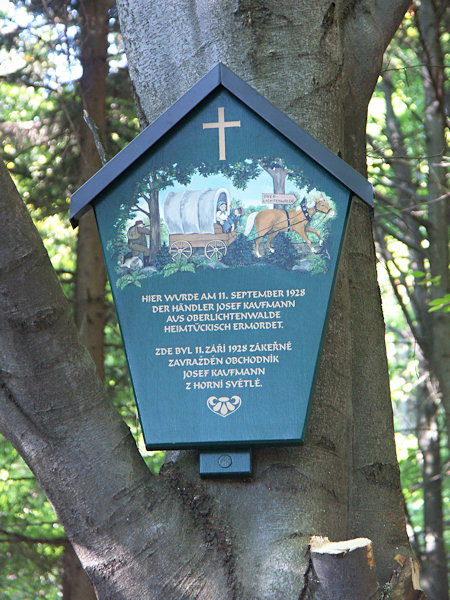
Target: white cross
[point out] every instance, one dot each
(220, 125)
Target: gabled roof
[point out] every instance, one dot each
(219, 76)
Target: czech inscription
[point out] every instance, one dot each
(224, 366)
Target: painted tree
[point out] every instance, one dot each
(175, 536)
(280, 171)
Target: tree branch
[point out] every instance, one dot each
(95, 132)
(374, 24)
(12, 537)
(403, 239)
(387, 258)
(388, 202)
(388, 15)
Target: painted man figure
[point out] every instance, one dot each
(137, 241)
(233, 220)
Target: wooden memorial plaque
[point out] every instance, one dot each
(222, 300)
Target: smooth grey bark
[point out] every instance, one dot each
(177, 536)
(436, 124)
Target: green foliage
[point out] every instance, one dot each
(422, 278)
(133, 278)
(410, 459)
(164, 232)
(427, 280)
(31, 540)
(410, 231)
(117, 247)
(240, 173)
(40, 122)
(41, 108)
(319, 264)
(285, 254)
(154, 461)
(240, 252)
(181, 265)
(440, 304)
(163, 258)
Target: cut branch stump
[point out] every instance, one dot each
(345, 570)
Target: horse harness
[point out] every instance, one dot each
(288, 219)
(304, 210)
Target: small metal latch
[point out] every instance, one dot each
(225, 463)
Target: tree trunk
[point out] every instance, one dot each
(279, 180)
(278, 175)
(90, 279)
(438, 213)
(347, 569)
(76, 585)
(89, 305)
(177, 536)
(155, 227)
(435, 572)
(422, 325)
(90, 311)
(261, 43)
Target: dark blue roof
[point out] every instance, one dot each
(219, 76)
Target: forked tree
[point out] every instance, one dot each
(175, 536)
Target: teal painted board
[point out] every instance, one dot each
(219, 78)
(222, 243)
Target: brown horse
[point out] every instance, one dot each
(271, 221)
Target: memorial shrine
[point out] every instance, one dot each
(222, 225)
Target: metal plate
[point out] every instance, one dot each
(231, 463)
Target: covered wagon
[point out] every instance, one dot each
(194, 219)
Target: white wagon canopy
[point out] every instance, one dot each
(194, 211)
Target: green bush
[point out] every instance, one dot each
(319, 264)
(177, 266)
(285, 253)
(240, 252)
(163, 258)
(133, 278)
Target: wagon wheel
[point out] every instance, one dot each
(215, 250)
(181, 249)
